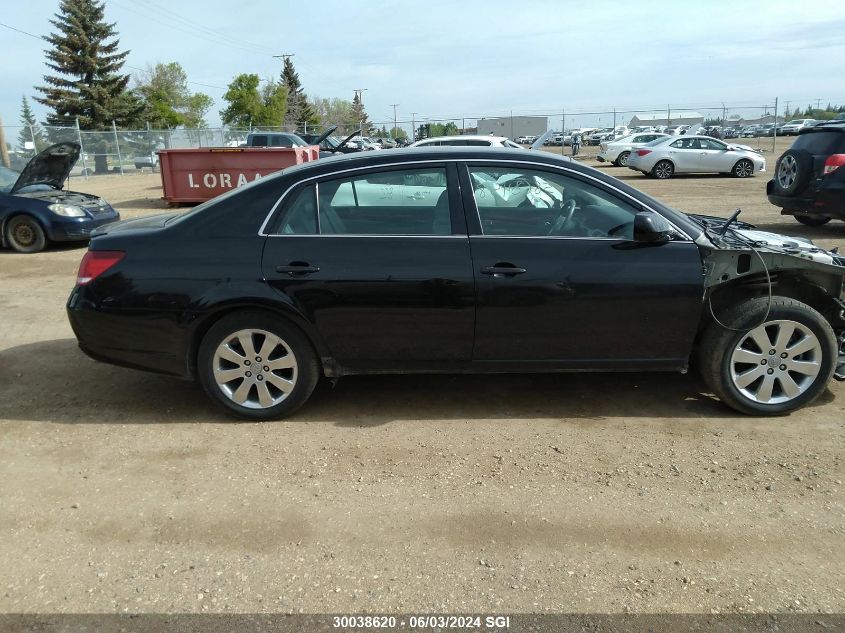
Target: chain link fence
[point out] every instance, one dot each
(128, 151)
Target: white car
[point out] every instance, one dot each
(695, 154)
(792, 128)
(618, 151)
(466, 140)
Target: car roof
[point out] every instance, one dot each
(466, 137)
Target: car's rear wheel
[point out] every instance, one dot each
(622, 159)
(25, 235)
(793, 171)
(770, 359)
(663, 170)
(812, 220)
(743, 169)
(257, 366)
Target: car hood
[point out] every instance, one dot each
(774, 242)
(51, 167)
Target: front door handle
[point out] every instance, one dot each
(507, 270)
(297, 268)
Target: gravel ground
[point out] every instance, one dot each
(128, 492)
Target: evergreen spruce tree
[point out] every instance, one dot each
(88, 84)
(31, 132)
(359, 115)
(299, 109)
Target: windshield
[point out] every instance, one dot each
(7, 179)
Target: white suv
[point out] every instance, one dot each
(795, 125)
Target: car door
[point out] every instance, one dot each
(560, 281)
(715, 156)
(684, 153)
(379, 261)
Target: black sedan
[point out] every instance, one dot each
(456, 260)
(34, 210)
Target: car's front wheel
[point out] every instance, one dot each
(257, 366)
(663, 170)
(765, 358)
(25, 234)
(622, 159)
(743, 169)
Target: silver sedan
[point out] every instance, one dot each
(695, 154)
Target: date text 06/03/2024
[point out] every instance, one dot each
(385, 622)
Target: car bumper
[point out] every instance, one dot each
(827, 199)
(150, 341)
(73, 229)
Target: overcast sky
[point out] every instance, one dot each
(473, 58)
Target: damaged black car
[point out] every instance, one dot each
(457, 260)
(35, 210)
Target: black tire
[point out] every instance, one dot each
(812, 220)
(663, 170)
(25, 235)
(304, 376)
(622, 159)
(744, 168)
(793, 171)
(718, 344)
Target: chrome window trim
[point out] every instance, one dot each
(262, 230)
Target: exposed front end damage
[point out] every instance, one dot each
(743, 262)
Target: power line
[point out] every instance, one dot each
(39, 37)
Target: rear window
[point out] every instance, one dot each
(821, 142)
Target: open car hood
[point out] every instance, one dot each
(324, 135)
(51, 167)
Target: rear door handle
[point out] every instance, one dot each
(504, 269)
(297, 268)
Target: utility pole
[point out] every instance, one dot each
(562, 129)
(392, 132)
(818, 104)
(413, 127)
(4, 152)
(775, 128)
(360, 93)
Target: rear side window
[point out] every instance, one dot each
(397, 202)
(259, 140)
(821, 142)
(299, 216)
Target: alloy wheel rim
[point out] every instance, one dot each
(744, 169)
(663, 171)
(623, 160)
(255, 368)
(787, 172)
(24, 235)
(776, 362)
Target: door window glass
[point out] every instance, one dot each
(299, 216)
(513, 201)
(397, 202)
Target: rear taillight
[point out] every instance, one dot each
(643, 152)
(95, 263)
(833, 162)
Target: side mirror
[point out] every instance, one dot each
(651, 228)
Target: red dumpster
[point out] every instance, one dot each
(196, 175)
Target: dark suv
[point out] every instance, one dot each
(808, 182)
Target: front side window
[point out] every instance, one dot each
(513, 201)
(396, 202)
(707, 143)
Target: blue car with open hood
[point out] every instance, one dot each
(35, 210)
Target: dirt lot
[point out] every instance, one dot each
(125, 491)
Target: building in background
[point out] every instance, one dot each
(666, 118)
(513, 127)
